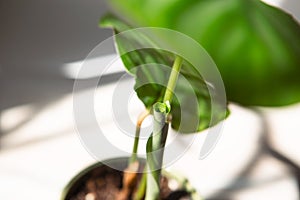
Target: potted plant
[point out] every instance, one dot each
(257, 58)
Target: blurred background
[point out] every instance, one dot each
(42, 44)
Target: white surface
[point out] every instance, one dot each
(71, 70)
(44, 167)
(285, 130)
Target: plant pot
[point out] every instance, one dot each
(98, 172)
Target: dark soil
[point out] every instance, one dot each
(104, 183)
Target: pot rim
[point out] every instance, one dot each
(110, 162)
(87, 169)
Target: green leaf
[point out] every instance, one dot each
(191, 107)
(255, 46)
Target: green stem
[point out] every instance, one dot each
(156, 142)
(173, 79)
(140, 193)
(133, 157)
(155, 150)
(140, 120)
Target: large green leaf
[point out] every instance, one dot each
(191, 107)
(255, 46)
